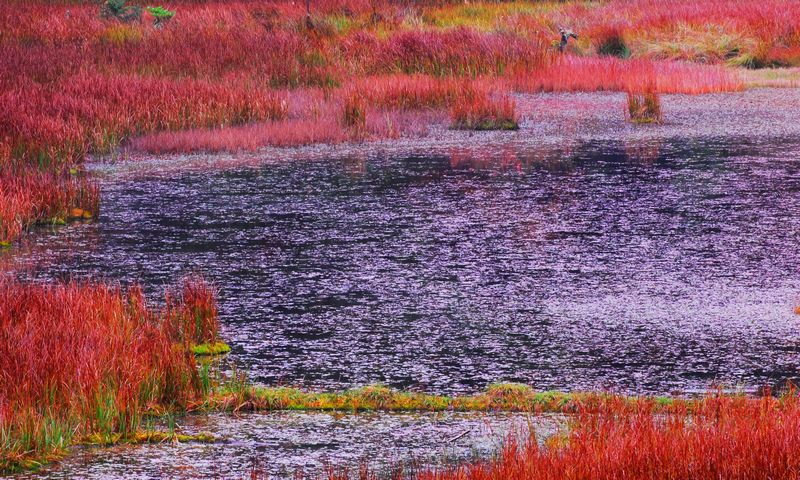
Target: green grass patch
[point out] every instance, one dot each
(497, 397)
(210, 349)
(147, 436)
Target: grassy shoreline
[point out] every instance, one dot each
(238, 76)
(581, 410)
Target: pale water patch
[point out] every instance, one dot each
(282, 445)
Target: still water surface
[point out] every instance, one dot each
(662, 267)
(292, 445)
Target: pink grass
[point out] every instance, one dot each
(573, 74)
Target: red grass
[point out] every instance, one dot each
(783, 56)
(573, 74)
(88, 358)
(192, 313)
(455, 52)
(644, 107)
(776, 21)
(355, 111)
(83, 85)
(482, 112)
(708, 439)
(29, 196)
(289, 133)
(327, 128)
(90, 111)
(408, 92)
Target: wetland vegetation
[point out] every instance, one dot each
(362, 284)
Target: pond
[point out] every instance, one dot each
(653, 260)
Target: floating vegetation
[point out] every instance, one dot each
(146, 436)
(238, 395)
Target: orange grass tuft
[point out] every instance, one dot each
(482, 112)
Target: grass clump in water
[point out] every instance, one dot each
(148, 436)
(480, 112)
(238, 395)
(644, 107)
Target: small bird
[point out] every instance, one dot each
(565, 34)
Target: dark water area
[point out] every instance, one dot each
(668, 265)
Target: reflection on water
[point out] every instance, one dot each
(283, 444)
(646, 266)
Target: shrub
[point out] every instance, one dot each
(118, 9)
(160, 15)
(609, 41)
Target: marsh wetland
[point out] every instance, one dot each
(662, 269)
(417, 240)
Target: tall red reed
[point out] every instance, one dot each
(191, 312)
(90, 358)
(29, 196)
(713, 438)
(572, 74)
(482, 112)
